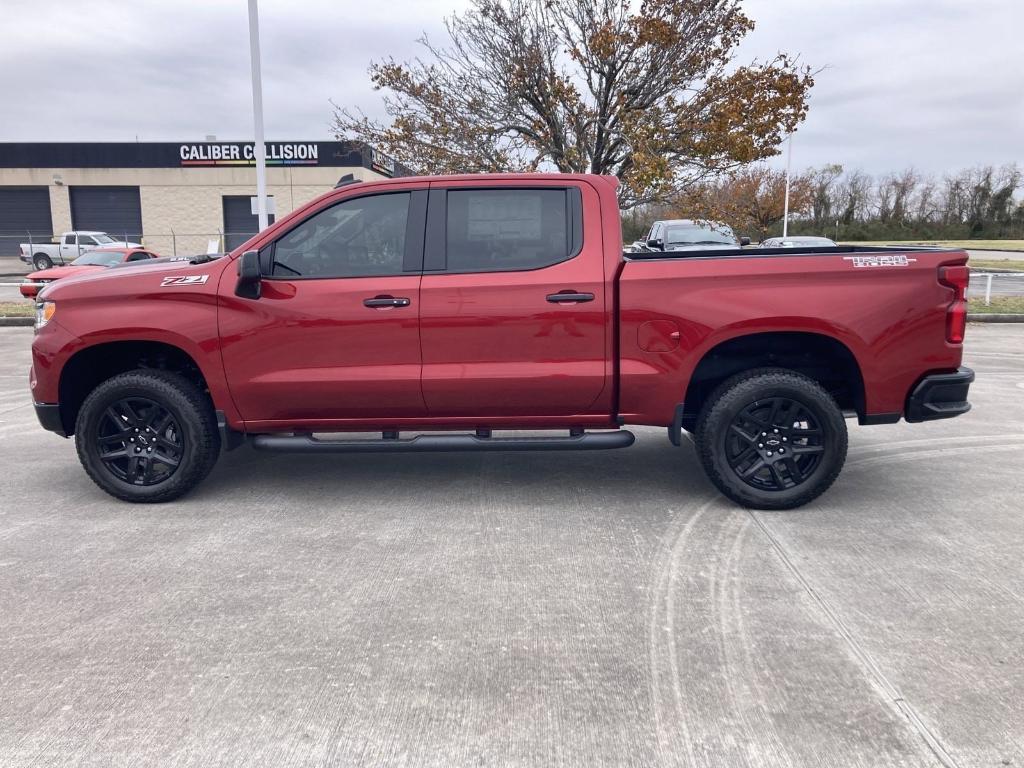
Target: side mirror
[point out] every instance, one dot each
(656, 243)
(249, 278)
(744, 241)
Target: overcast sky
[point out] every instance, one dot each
(937, 84)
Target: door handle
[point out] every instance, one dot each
(567, 296)
(379, 302)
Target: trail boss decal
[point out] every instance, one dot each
(185, 280)
(880, 260)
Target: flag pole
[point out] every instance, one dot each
(257, 115)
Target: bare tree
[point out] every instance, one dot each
(822, 182)
(854, 195)
(649, 94)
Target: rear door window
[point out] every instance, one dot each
(493, 230)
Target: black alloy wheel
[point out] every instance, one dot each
(771, 438)
(139, 441)
(147, 435)
(774, 444)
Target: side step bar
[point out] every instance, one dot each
(576, 441)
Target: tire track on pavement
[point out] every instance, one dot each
(870, 664)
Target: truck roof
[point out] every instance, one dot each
(499, 177)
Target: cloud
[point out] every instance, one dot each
(929, 83)
(933, 84)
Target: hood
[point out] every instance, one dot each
(55, 273)
(133, 278)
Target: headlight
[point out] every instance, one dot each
(44, 311)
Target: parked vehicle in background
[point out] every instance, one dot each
(692, 235)
(798, 241)
(637, 246)
(98, 259)
(505, 304)
(70, 246)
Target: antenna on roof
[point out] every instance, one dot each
(347, 179)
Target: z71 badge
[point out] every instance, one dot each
(185, 280)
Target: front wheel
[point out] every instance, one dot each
(771, 439)
(41, 261)
(147, 436)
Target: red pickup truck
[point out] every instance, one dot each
(468, 304)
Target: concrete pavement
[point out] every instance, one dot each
(505, 609)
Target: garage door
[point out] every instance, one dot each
(240, 223)
(114, 210)
(24, 212)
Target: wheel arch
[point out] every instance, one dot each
(94, 364)
(819, 356)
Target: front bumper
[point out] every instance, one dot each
(49, 416)
(940, 396)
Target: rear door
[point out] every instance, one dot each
(335, 334)
(68, 250)
(514, 315)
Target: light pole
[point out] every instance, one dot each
(257, 115)
(789, 164)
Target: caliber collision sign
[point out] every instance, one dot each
(245, 154)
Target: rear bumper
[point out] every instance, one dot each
(940, 396)
(49, 416)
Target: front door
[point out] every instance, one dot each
(335, 333)
(514, 315)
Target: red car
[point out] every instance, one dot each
(471, 304)
(91, 261)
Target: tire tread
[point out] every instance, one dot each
(195, 406)
(722, 399)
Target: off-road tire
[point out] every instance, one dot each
(190, 407)
(729, 401)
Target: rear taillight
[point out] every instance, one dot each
(956, 278)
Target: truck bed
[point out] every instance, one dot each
(754, 252)
(884, 304)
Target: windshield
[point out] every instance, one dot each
(99, 259)
(101, 238)
(695, 234)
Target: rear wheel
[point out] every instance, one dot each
(42, 261)
(771, 439)
(147, 436)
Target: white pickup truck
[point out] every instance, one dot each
(70, 246)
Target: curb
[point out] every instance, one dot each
(978, 317)
(7, 322)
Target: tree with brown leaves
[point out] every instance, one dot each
(652, 95)
(751, 200)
